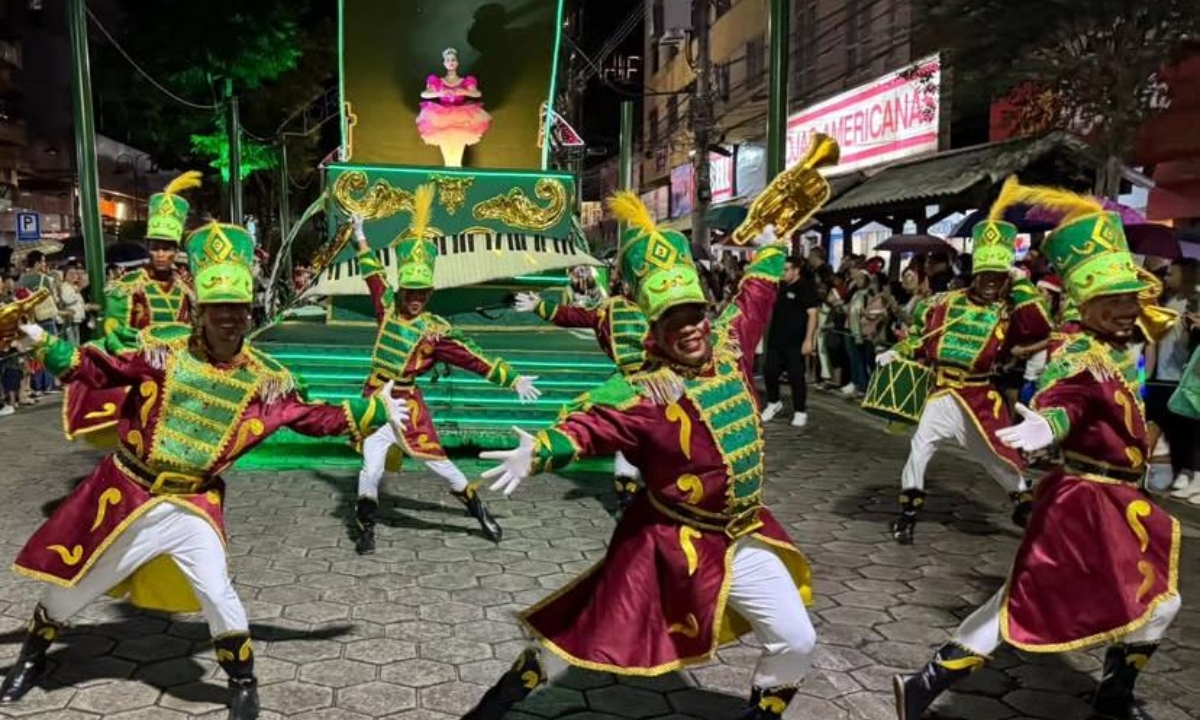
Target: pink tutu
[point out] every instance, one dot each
(452, 120)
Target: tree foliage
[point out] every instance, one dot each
(278, 53)
(1089, 66)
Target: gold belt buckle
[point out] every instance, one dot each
(173, 483)
(743, 524)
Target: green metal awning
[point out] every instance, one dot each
(724, 218)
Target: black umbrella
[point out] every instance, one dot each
(916, 244)
(126, 253)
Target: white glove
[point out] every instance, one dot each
(886, 357)
(1032, 434)
(525, 389)
(357, 221)
(397, 408)
(768, 237)
(34, 334)
(514, 466)
(527, 302)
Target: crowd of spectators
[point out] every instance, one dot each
(66, 312)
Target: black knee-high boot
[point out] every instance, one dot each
(364, 523)
(915, 693)
(525, 676)
(30, 665)
(911, 502)
(1114, 698)
(476, 508)
(235, 655)
(768, 703)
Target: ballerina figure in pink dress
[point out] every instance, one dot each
(451, 115)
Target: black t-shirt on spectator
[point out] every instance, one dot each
(789, 321)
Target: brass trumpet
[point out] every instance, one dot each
(17, 313)
(792, 197)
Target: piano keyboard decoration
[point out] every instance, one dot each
(466, 259)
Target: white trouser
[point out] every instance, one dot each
(980, 632)
(165, 530)
(374, 452)
(944, 419)
(762, 591)
(624, 468)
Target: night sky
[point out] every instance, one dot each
(601, 123)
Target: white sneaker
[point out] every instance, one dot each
(1182, 480)
(799, 420)
(1192, 489)
(848, 389)
(7, 410)
(770, 411)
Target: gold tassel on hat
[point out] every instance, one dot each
(422, 209)
(629, 209)
(1010, 193)
(187, 181)
(1070, 205)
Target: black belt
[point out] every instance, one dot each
(162, 483)
(1077, 466)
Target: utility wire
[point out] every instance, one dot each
(161, 88)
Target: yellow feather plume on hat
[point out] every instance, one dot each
(1009, 194)
(186, 181)
(1070, 205)
(629, 209)
(422, 209)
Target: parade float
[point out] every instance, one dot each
(459, 95)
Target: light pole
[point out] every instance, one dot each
(85, 149)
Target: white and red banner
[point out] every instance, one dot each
(894, 117)
(721, 176)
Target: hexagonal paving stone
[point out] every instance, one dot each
(455, 698)
(301, 651)
(293, 698)
(1048, 706)
(316, 612)
(381, 651)
(47, 703)
(180, 671)
(334, 713)
(152, 648)
(419, 673)
(452, 613)
(113, 697)
(419, 631)
(337, 673)
(455, 650)
(377, 698)
(706, 705)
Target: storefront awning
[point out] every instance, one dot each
(1051, 158)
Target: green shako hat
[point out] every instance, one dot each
(168, 211)
(995, 240)
(657, 264)
(221, 257)
(416, 255)
(1088, 248)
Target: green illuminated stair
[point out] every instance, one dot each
(332, 361)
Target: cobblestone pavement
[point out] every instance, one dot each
(417, 631)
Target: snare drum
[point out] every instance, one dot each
(897, 391)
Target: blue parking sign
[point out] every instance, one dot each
(29, 227)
